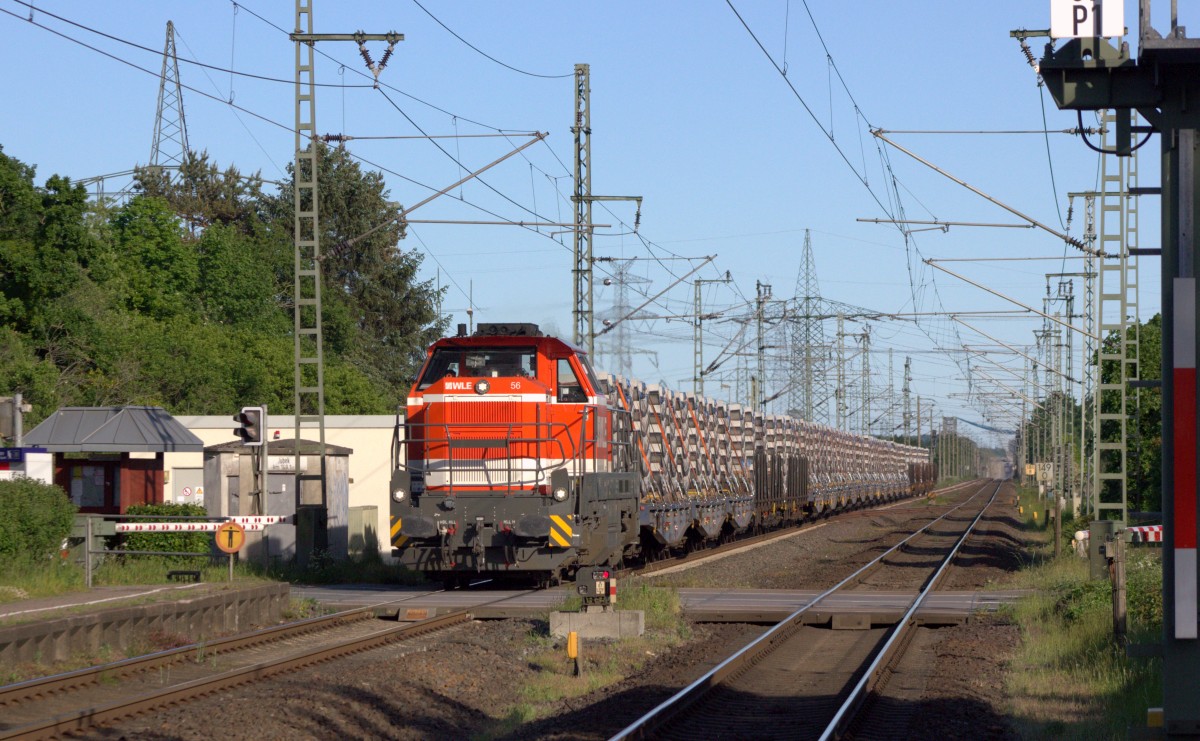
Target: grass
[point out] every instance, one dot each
(1070, 679)
(28, 578)
(552, 680)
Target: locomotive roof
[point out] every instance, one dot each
(542, 342)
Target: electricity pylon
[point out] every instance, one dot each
(170, 145)
(808, 342)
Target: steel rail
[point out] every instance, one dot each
(847, 713)
(80, 677)
(84, 718)
(92, 716)
(751, 652)
(43, 686)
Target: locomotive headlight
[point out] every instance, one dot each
(398, 495)
(560, 494)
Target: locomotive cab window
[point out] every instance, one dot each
(591, 374)
(479, 362)
(569, 390)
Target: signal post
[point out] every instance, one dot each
(1089, 73)
(252, 430)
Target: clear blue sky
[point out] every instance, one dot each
(687, 112)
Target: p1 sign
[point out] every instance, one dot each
(1074, 19)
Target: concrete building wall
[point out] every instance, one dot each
(369, 436)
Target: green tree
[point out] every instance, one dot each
(378, 315)
(233, 286)
(158, 270)
(1144, 410)
(202, 194)
(182, 297)
(44, 247)
(18, 199)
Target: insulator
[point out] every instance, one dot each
(1029, 55)
(386, 56)
(366, 55)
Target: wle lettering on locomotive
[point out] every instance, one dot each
(516, 458)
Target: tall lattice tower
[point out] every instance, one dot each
(620, 350)
(808, 351)
(170, 145)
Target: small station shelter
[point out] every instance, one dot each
(317, 522)
(108, 459)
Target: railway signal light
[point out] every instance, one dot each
(251, 423)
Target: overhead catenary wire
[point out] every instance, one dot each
(216, 98)
(485, 54)
(230, 104)
(157, 52)
(382, 83)
(654, 249)
(249, 132)
(894, 181)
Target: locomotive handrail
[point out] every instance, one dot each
(476, 443)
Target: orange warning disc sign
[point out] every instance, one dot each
(230, 537)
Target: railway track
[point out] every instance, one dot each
(799, 681)
(753, 541)
(52, 706)
(74, 701)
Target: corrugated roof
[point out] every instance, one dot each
(281, 447)
(113, 430)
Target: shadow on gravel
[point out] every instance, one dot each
(739, 715)
(1011, 522)
(953, 718)
(1007, 557)
(345, 711)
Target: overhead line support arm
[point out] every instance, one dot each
(931, 263)
(878, 133)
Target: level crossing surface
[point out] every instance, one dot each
(716, 605)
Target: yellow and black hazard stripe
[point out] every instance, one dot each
(398, 540)
(561, 530)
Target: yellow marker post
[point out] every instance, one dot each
(1154, 717)
(573, 651)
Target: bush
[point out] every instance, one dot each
(35, 518)
(198, 542)
(1143, 582)
(1078, 599)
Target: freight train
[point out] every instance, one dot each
(514, 457)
